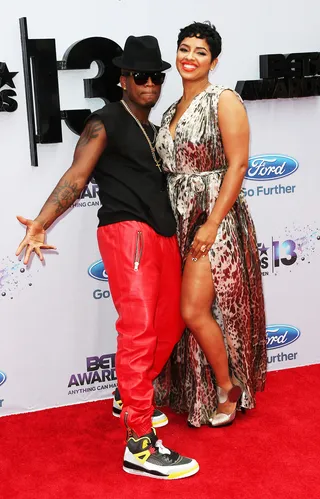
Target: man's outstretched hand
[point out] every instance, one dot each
(34, 239)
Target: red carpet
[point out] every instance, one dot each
(76, 452)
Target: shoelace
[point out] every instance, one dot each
(162, 449)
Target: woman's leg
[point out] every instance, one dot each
(197, 297)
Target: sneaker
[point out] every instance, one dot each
(146, 456)
(159, 419)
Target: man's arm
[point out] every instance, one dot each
(90, 146)
(87, 152)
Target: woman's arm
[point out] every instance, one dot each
(234, 127)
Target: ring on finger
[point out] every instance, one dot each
(203, 248)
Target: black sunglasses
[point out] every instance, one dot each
(141, 77)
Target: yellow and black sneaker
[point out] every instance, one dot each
(146, 456)
(158, 418)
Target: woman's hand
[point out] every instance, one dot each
(204, 239)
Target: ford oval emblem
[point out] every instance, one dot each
(281, 335)
(270, 167)
(96, 270)
(3, 378)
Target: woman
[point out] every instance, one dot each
(203, 142)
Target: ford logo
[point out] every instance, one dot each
(96, 270)
(281, 335)
(270, 167)
(3, 378)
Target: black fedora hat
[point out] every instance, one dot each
(141, 53)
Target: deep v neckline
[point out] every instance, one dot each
(174, 110)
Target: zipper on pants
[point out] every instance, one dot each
(138, 251)
(129, 432)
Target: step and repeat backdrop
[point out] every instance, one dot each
(57, 335)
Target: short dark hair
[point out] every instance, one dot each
(204, 31)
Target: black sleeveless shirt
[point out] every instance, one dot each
(131, 187)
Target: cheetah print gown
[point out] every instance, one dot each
(196, 165)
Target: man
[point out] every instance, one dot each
(136, 237)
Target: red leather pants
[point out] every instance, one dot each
(144, 271)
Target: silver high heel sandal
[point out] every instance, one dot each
(219, 419)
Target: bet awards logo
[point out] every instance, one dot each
(296, 248)
(283, 77)
(7, 103)
(89, 196)
(100, 375)
(277, 254)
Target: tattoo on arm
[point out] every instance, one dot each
(69, 189)
(64, 195)
(90, 132)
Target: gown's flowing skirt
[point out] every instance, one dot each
(187, 383)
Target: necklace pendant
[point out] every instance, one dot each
(152, 148)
